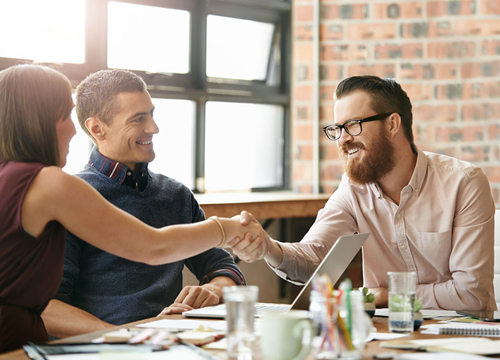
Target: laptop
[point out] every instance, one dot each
(334, 264)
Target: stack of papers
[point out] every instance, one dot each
(184, 324)
(471, 345)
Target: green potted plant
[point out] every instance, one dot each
(418, 318)
(368, 299)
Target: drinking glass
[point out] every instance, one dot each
(240, 306)
(402, 287)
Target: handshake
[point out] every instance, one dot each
(246, 237)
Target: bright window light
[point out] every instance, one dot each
(243, 146)
(238, 49)
(148, 38)
(79, 149)
(45, 31)
(174, 144)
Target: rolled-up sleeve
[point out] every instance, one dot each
(301, 259)
(214, 262)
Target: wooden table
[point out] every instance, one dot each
(372, 347)
(262, 205)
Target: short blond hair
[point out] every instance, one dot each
(32, 99)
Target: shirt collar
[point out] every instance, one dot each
(417, 177)
(114, 169)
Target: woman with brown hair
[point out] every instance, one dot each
(39, 201)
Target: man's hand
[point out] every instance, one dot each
(248, 249)
(175, 308)
(381, 296)
(194, 297)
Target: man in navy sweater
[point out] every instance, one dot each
(98, 289)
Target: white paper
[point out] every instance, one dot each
(482, 348)
(427, 314)
(433, 343)
(184, 324)
(441, 356)
(217, 345)
(384, 336)
(174, 353)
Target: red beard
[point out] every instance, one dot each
(377, 161)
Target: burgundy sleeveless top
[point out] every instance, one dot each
(30, 268)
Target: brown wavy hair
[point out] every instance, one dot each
(32, 99)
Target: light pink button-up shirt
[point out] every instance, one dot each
(443, 229)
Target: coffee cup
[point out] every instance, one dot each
(286, 336)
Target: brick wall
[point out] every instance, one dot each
(446, 55)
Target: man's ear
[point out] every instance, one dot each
(394, 124)
(95, 128)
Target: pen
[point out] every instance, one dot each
(32, 351)
(142, 336)
(198, 350)
(159, 337)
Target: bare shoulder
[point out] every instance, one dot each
(59, 196)
(49, 173)
(46, 198)
(55, 184)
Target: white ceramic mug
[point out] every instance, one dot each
(286, 336)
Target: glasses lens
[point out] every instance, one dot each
(353, 127)
(333, 132)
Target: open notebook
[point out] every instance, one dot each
(334, 264)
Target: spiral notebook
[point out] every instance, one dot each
(471, 331)
(463, 329)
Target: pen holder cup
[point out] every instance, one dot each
(344, 328)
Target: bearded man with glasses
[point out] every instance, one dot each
(426, 212)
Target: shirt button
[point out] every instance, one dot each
(398, 216)
(129, 173)
(416, 191)
(404, 247)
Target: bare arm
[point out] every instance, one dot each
(63, 320)
(381, 296)
(54, 195)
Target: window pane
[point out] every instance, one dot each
(244, 146)
(79, 149)
(48, 31)
(148, 38)
(241, 52)
(175, 143)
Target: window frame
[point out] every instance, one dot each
(195, 85)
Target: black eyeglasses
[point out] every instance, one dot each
(352, 127)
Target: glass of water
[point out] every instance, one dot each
(240, 307)
(401, 301)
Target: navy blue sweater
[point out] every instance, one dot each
(119, 291)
